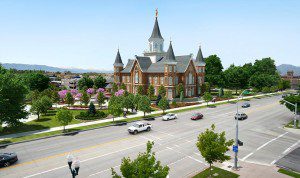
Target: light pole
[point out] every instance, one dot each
(237, 133)
(295, 117)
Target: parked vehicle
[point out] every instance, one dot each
(7, 159)
(169, 116)
(241, 116)
(139, 127)
(246, 105)
(197, 116)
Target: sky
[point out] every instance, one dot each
(87, 33)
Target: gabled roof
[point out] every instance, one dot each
(170, 54)
(118, 59)
(156, 32)
(181, 65)
(129, 66)
(199, 59)
(144, 62)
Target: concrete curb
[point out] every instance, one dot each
(67, 134)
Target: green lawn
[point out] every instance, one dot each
(289, 173)
(45, 122)
(216, 172)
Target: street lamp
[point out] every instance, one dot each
(237, 142)
(75, 163)
(295, 105)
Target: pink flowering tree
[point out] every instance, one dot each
(102, 90)
(74, 92)
(90, 91)
(119, 92)
(62, 94)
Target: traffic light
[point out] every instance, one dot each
(240, 143)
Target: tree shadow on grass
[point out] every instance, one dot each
(71, 132)
(22, 128)
(43, 119)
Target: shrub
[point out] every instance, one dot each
(85, 115)
(266, 90)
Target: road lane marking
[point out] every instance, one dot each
(86, 160)
(166, 133)
(265, 144)
(289, 148)
(177, 161)
(273, 161)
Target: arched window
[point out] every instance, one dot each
(136, 77)
(190, 78)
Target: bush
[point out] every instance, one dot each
(174, 104)
(86, 115)
(266, 90)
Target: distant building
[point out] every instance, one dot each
(295, 80)
(157, 67)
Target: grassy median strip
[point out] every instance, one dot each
(216, 172)
(289, 173)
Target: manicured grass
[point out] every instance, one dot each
(289, 173)
(291, 124)
(215, 170)
(45, 122)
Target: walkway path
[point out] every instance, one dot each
(115, 119)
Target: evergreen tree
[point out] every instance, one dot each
(144, 104)
(150, 91)
(92, 109)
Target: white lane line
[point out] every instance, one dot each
(289, 148)
(243, 159)
(273, 161)
(195, 159)
(85, 160)
(108, 169)
(177, 146)
(197, 154)
(146, 138)
(271, 141)
(177, 161)
(265, 144)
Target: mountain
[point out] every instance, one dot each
(49, 68)
(283, 68)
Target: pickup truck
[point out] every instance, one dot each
(139, 127)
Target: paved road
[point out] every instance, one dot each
(264, 142)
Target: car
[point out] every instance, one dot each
(246, 105)
(169, 116)
(139, 127)
(241, 116)
(7, 159)
(197, 116)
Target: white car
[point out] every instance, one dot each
(169, 116)
(139, 127)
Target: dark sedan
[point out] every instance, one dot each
(246, 105)
(7, 159)
(197, 116)
(241, 116)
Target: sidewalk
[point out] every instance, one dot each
(250, 170)
(116, 119)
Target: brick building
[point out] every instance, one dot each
(294, 80)
(157, 67)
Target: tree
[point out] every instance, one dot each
(213, 71)
(265, 66)
(115, 106)
(85, 99)
(228, 95)
(286, 84)
(136, 101)
(140, 90)
(64, 117)
(179, 89)
(207, 97)
(163, 104)
(292, 99)
(144, 104)
(12, 99)
(100, 99)
(41, 106)
(85, 82)
(213, 146)
(99, 82)
(150, 91)
(145, 165)
(264, 80)
(162, 90)
(221, 92)
(181, 96)
(235, 77)
(92, 109)
(69, 99)
(55, 97)
(37, 81)
(114, 88)
(128, 101)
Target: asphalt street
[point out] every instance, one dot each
(265, 142)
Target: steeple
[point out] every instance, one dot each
(170, 57)
(156, 31)
(118, 60)
(199, 59)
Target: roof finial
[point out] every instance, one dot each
(156, 13)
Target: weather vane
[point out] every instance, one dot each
(156, 13)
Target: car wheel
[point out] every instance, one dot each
(6, 164)
(148, 129)
(135, 132)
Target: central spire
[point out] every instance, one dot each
(156, 31)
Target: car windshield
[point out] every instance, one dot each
(170, 114)
(196, 114)
(135, 125)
